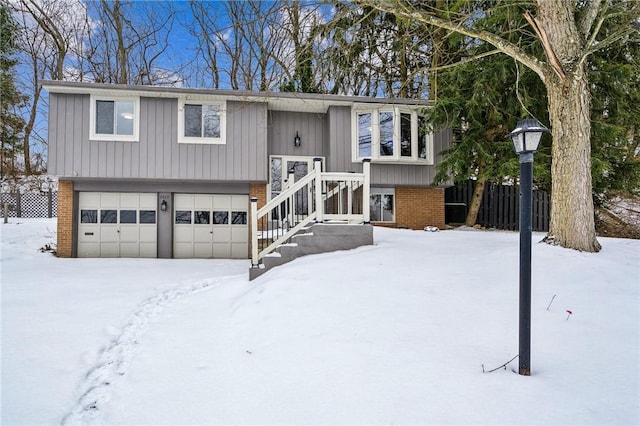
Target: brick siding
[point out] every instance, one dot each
(65, 218)
(417, 208)
(258, 190)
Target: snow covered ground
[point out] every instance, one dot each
(395, 333)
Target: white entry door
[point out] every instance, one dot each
(280, 168)
(114, 224)
(211, 226)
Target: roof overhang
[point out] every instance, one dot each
(277, 101)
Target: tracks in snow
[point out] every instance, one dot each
(113, 361)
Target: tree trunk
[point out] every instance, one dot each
(476, 200)
(572, 215)
(572, 222)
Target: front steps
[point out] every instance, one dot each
(318, 238)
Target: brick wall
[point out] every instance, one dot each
(65, 218)
(258, 190)
(417, 208)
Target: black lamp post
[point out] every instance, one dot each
(526, 138)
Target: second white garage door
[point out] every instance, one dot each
(211, 226)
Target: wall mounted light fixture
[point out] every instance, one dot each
(296, 140)
(163, 205)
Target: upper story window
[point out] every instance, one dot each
(391, 134)
(114, 118)
(201, 122)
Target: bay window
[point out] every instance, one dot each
(391, 134)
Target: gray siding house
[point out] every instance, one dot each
(167, 172)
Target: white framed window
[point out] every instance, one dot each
(391, 134)
(382, 205)
(201, 122)
(114, 118)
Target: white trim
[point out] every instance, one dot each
(202, 140)
(397, 157)
(114, 137)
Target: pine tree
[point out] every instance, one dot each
(11, 124)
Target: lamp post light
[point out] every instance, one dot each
(526, 138)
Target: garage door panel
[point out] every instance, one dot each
(183, 250)
(202, 235)
(109, 200)
(148, 234)
(129, 233)
(239, 251)
(222, 250)
(109, 249)
(222, 202)
(240, 235)
(90, 250)
(129, 249)
(222, 234)
(148, 250)
(239, 202)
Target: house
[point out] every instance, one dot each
(169, 172)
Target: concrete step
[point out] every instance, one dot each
(319, 238)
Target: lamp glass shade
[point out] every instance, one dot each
(527, 135)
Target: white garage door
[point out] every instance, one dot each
(211, 226)
(113, 224)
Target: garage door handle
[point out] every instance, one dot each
(88, 233)
(211, 232)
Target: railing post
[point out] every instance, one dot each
(366, 191)
(317, 164)
(291, 210)
(254, 232)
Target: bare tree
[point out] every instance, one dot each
(48, 33)
(127, 43)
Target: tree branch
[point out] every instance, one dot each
(404, 9)
(587, 17)
(548, 50)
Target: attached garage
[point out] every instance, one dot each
(115, 224)
(210, 226)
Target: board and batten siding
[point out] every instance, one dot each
(339, 155)
(283, 126)
(157, 155)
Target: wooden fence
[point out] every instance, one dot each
(499, 207)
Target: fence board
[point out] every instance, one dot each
(500, 206)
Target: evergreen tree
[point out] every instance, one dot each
(11, 124)
(481, 99)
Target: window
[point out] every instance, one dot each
(221, 218)
(238, 218)
(381, 205)
(183, 216)
(114, 119)
(396, 135)
(147, 216)
(201, 122)
(128, 216)
(88, 216)
(108, 216)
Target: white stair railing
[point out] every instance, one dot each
(317, 197)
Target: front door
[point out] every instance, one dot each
(280, 168)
